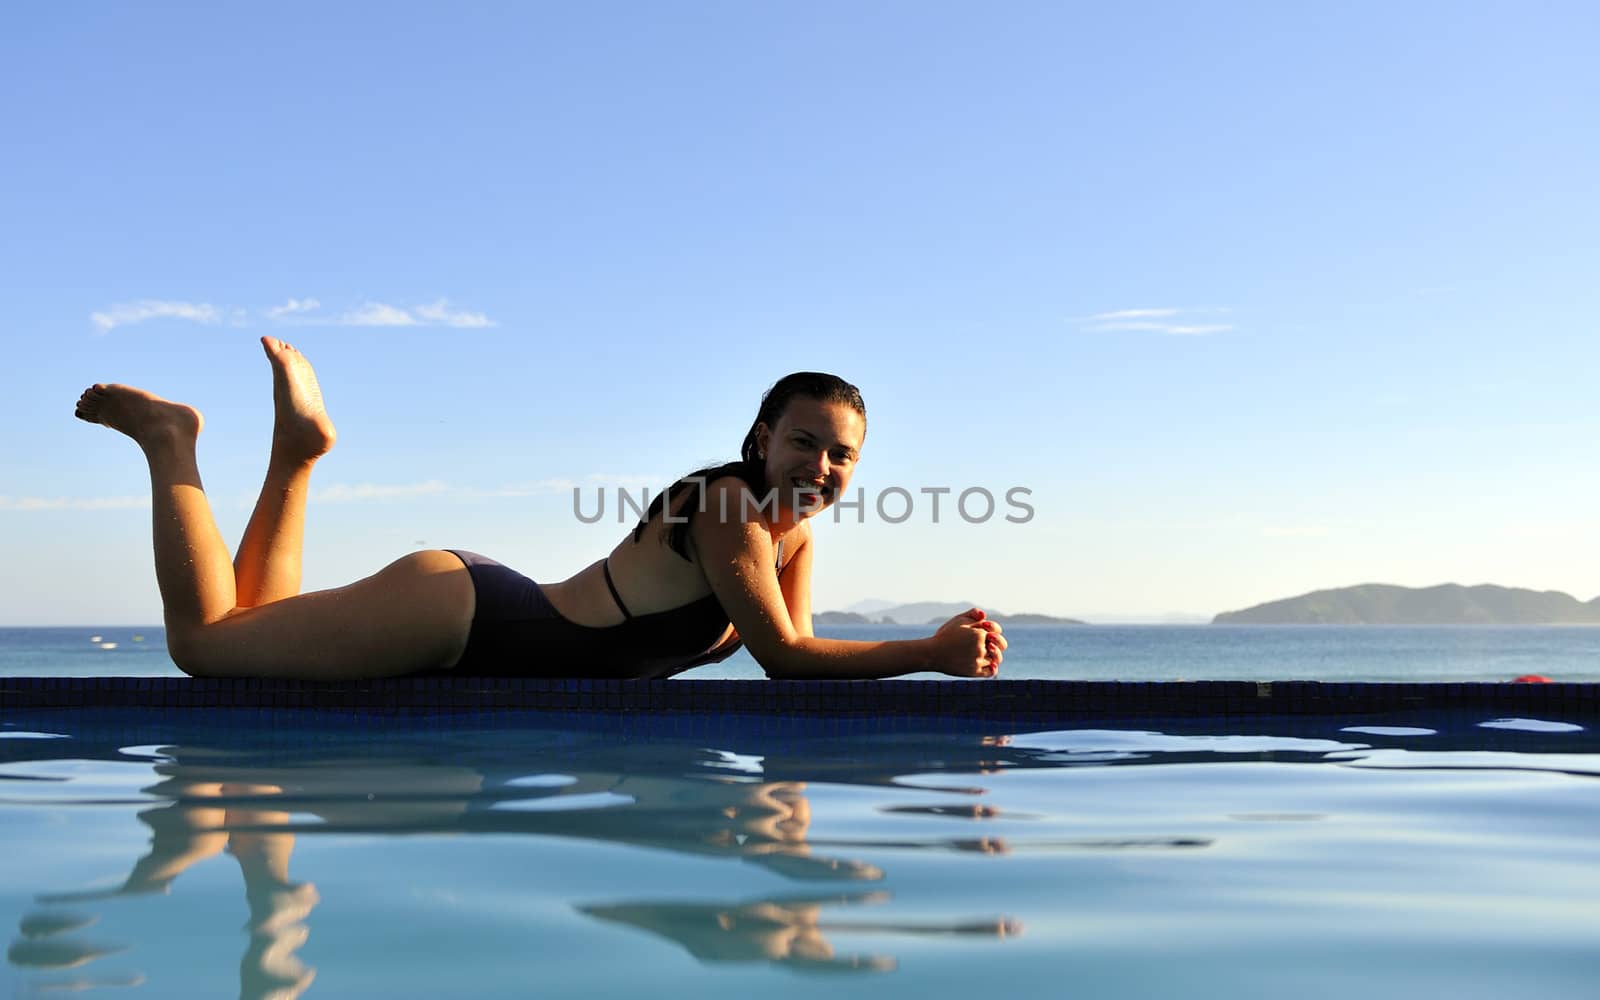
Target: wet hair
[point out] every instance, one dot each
(751, 467)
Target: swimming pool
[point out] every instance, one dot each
(1418, 847)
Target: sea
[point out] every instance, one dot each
(1075, 652)
(322, 853)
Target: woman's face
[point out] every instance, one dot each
(811, 453)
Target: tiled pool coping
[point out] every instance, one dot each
(1021, 700)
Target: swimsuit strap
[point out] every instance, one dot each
(605, 568)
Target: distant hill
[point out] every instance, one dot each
(840, 618)
(1446, 604)
(1027, 619)
(930, 612)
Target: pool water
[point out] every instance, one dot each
(238, 853)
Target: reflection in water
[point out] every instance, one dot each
(205, 818)
(251, 804)
(788, 932)
(36, 954)
(650, 785)
(36, 949)
(249, 793)
(44, 925)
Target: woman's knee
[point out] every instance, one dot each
(190, 653)
(208, 650)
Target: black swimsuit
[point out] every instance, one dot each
(517, 632)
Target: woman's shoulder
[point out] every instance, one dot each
(732, 509)
(730, 500)
(727, 476)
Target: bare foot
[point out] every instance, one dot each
(143, 416)
(302, 429)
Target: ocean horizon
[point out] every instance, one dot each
(1150, 652)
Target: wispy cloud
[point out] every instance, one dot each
(377, 314)
(436, 313)
(72, 503)
(602, 481)
(534, 488)
(354, 493)
(294, 307)
(1172, 329)
(295, 312)
(440, 312)
(343, 493)
(1172, 322)
(357, 492)
(1131, 314)
(627, 480)
(127, 313)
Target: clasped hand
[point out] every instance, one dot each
(969, 645)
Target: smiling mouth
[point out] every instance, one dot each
(803, 488)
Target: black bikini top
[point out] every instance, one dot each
(627, 616)
(689, 630)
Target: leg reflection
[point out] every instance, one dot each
(278, 906)
(204, 819)
(790, 932)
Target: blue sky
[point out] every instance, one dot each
(1254, 298)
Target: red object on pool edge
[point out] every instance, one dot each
(1531, 679)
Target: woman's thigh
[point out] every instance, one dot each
(412, 615)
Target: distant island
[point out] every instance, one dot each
(930, 613)
(841, 618)
(1446, 604)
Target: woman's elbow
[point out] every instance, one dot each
(782, 660)
(783, 673)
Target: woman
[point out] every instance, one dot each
(723, 558)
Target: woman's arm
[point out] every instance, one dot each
(736, 553)
(794, 579)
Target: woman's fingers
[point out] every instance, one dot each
(972, 617)
(981, 646)
(994, 640)
(991, 654)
